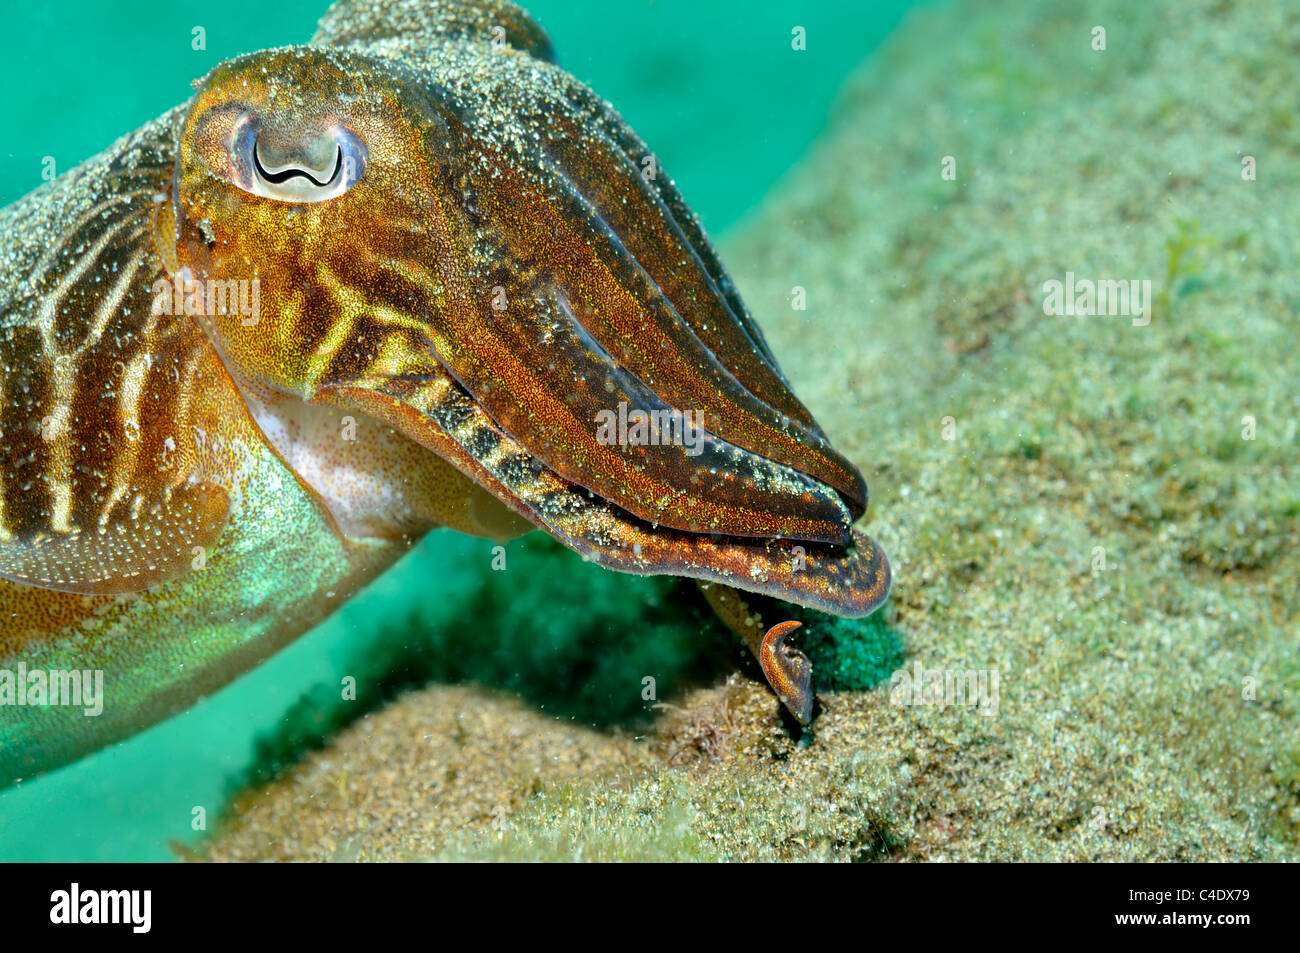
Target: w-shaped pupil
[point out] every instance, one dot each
(284, 175)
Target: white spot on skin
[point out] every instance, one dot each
(362, 482)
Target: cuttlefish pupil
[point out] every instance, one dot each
(287, 171)
(315, 170)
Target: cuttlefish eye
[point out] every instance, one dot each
(294, 169)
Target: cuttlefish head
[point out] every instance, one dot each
(300, 170)
(470, 251)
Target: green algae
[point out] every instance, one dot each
(1187, 250)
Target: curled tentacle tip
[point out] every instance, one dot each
(788, 671)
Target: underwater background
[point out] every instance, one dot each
(1104, 512)
(729, 108)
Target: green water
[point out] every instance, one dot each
(712, 85)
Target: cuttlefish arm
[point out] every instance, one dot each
(441, 415)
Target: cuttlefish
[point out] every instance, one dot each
(410, 275)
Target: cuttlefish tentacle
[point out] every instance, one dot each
(786, 669)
